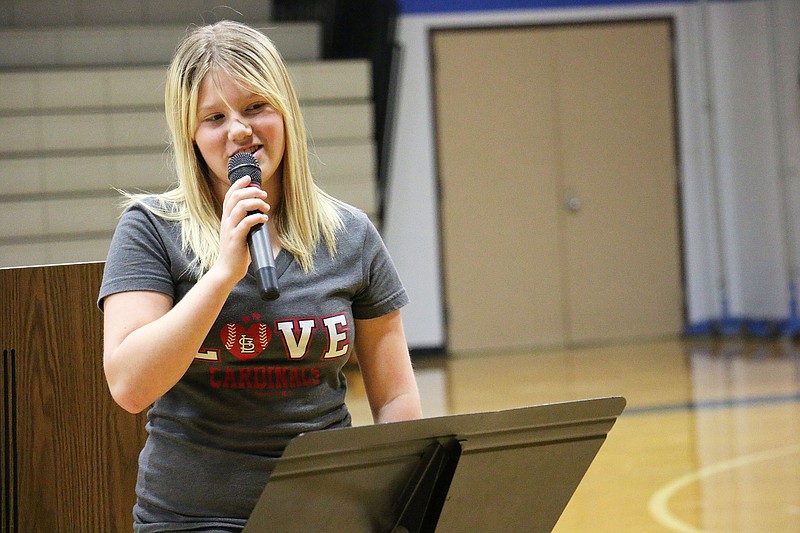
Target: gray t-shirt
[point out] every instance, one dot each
(266, 372)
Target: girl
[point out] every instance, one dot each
(228, 378)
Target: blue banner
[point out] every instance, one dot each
(409, 7)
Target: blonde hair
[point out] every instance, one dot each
(307, 214)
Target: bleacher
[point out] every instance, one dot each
(81, 114)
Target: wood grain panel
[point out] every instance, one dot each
(76, 450)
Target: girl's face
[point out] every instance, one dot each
(232, 119)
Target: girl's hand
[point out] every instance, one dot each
(243, 208)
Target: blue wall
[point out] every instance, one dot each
(409, 7)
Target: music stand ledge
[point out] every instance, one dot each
(500, 471)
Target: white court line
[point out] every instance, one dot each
(659, 502)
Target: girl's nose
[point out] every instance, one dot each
(240, 129)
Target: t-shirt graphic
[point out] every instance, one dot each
(245, 341)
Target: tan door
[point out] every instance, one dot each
(558, 200)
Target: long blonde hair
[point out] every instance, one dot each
(307, 214)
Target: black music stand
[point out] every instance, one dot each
(501, 471)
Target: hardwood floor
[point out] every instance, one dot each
(709, 441)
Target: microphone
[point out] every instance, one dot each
(239, 166)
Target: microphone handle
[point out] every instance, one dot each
(263, 262)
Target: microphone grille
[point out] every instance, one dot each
(244, 164)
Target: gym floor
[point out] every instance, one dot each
(709, 440)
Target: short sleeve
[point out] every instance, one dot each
(139, 255)
(382, 291)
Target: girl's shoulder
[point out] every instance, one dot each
(152, 204)
(351, 215)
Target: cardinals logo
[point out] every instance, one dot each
(246, 341)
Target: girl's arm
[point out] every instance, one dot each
(149, 343)
(386, 369)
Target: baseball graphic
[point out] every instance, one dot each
(245, 343)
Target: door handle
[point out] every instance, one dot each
(573, 204)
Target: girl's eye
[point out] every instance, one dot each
(257, 106)
(215, 117)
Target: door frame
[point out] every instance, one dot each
(434, 30)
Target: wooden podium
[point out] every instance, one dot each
(69, 453)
